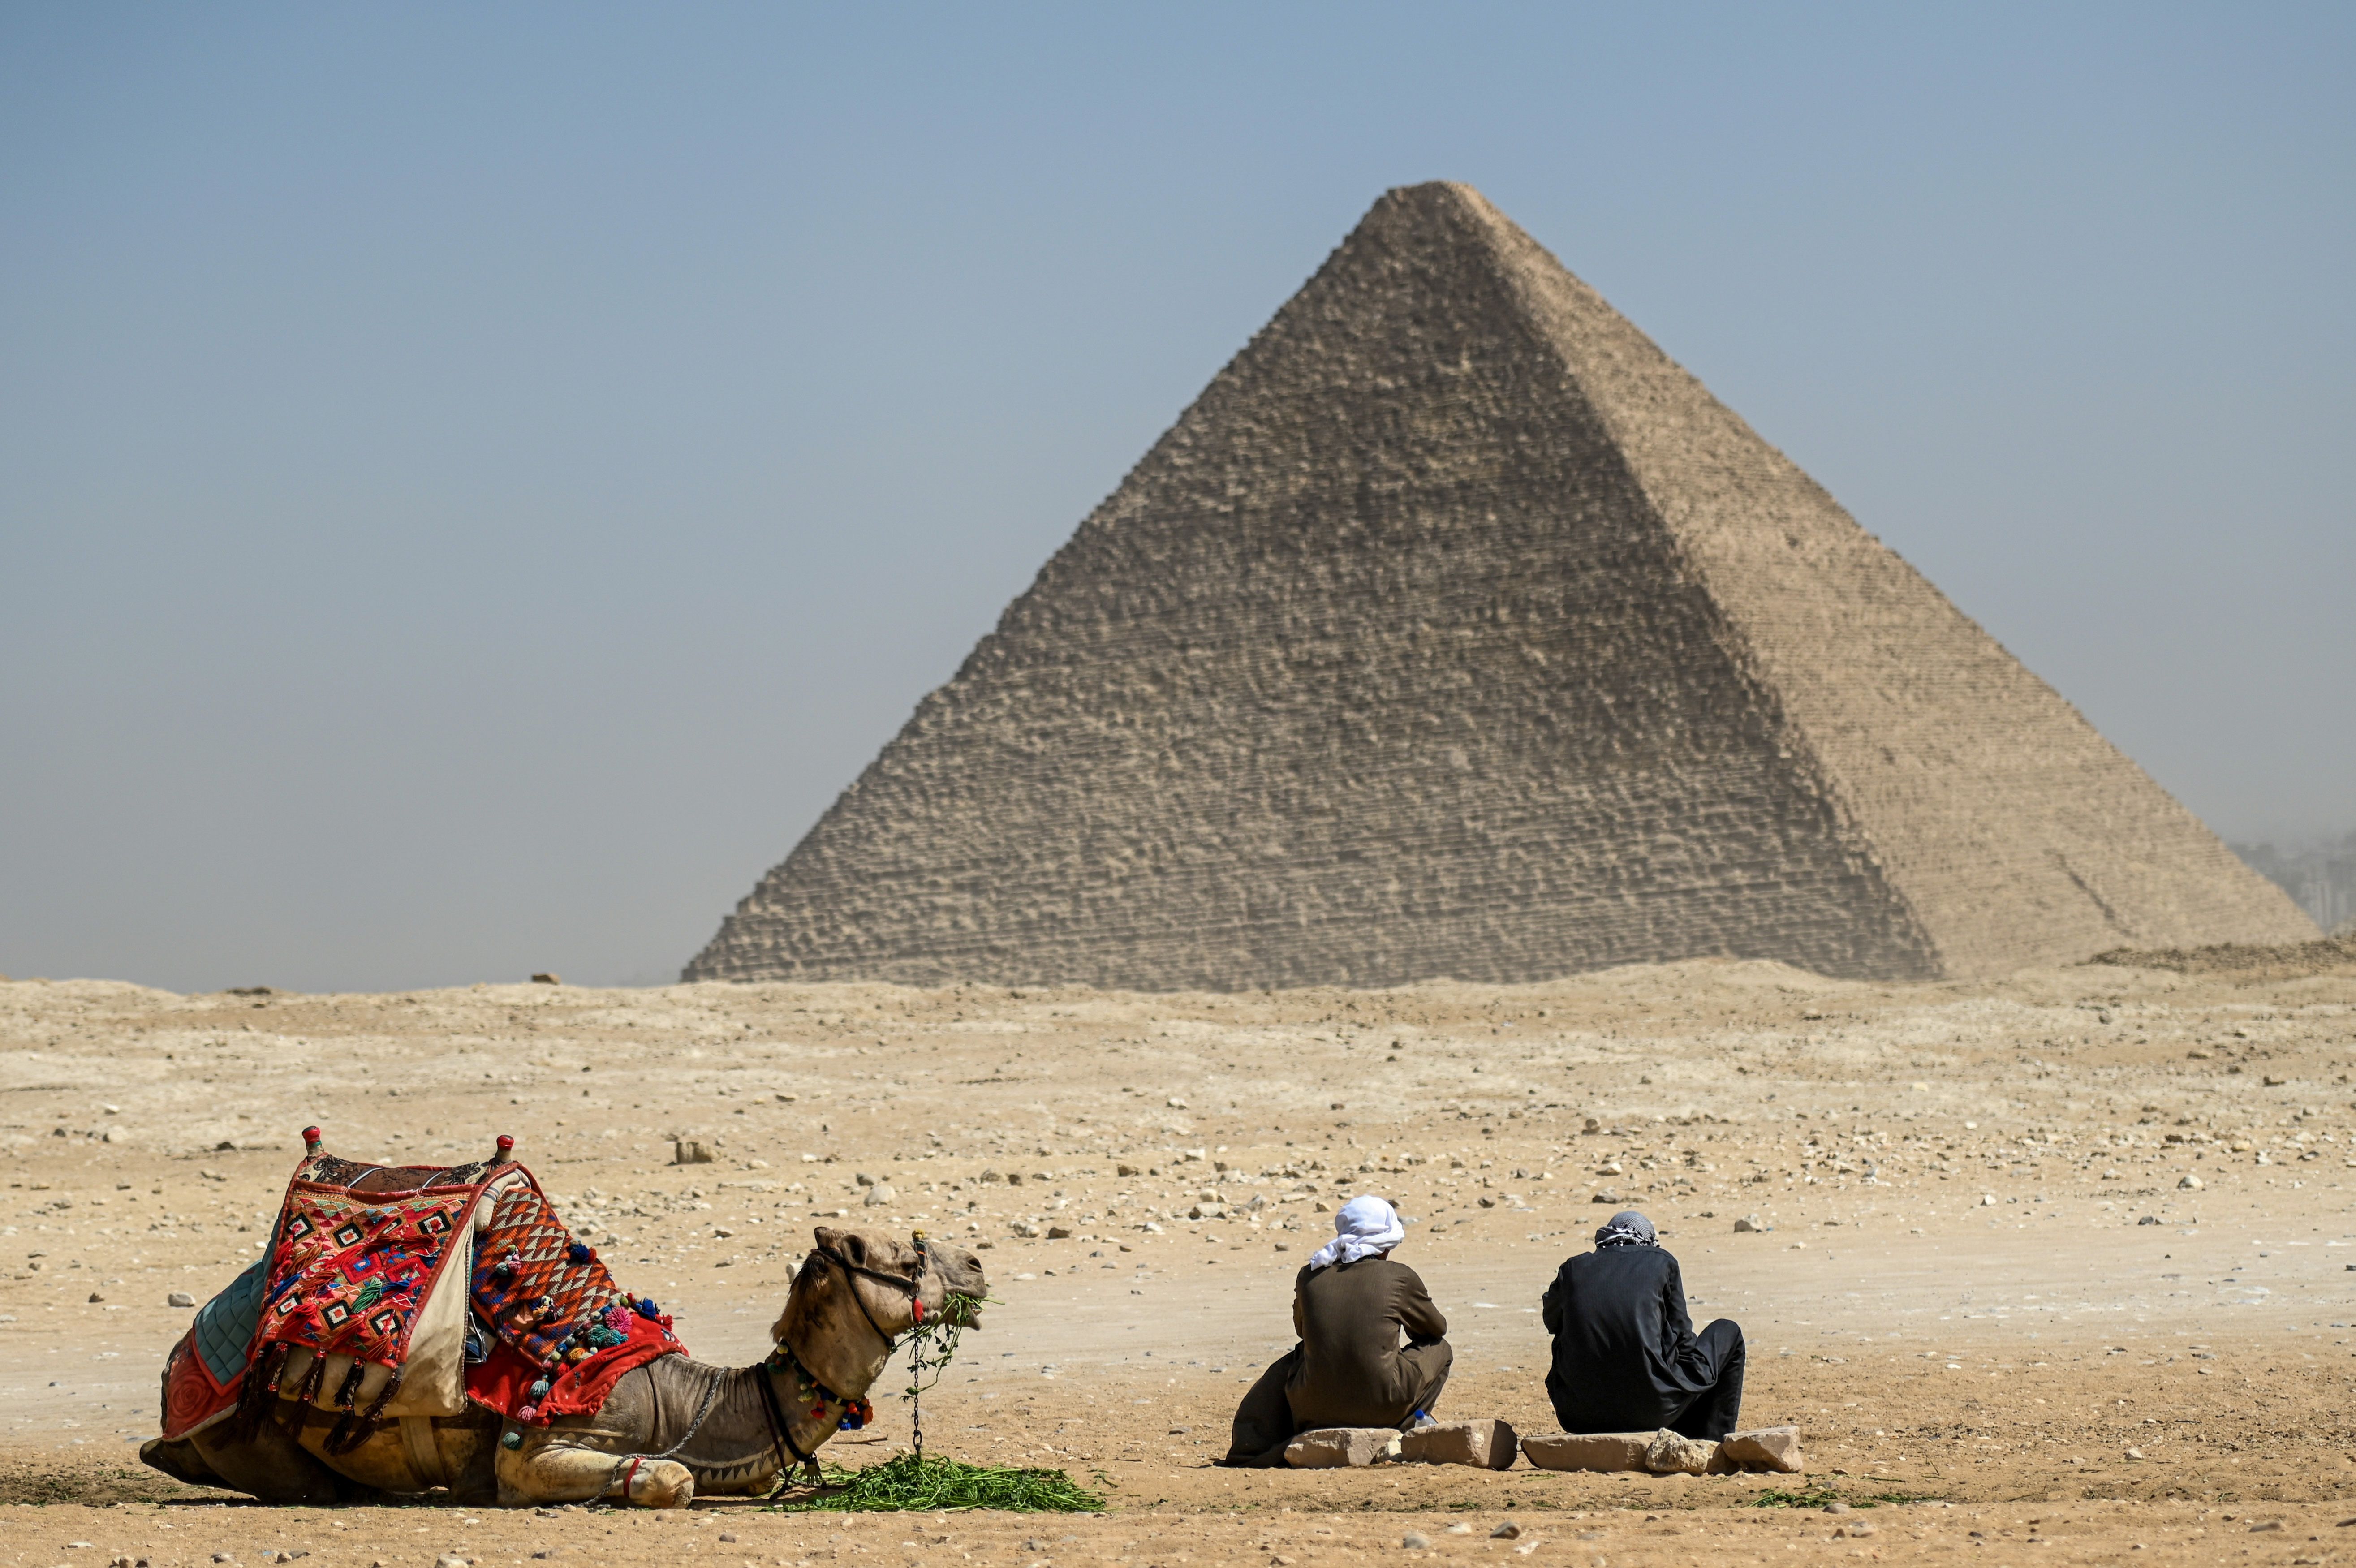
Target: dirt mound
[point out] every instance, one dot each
(2235, 961)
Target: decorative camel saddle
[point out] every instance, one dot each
(393, 1291)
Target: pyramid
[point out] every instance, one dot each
(1456, 631)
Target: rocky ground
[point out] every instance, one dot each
(2064, 1259)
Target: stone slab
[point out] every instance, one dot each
(1775, 1448)
(1588, 1450)
(1343, 1447)
(1483, 1444)
(1771, 1448)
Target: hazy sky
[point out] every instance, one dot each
(475, 481)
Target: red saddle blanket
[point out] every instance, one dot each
(356, 1252)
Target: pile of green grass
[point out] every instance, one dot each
(906, 1482)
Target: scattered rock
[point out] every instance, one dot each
(879, 1194)
(1671, 1453)
(1483, 1444)
(2189, 1183)
(1750, 1223)
(1059, 1232)
(1837, 1505)
(2135, 1454)
(1508, 1531)
(688, 1152)
(95, 1296)
(545, 978)
(1414, 1542)
(179, 1298)
(1854, 1530)
(1342, 1447)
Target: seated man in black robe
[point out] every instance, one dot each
(1626, 1357)
(1351, 1306)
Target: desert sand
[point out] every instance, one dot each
(1983, 1284)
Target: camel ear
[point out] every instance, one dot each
(829, 1239)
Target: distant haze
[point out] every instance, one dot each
(475, 484)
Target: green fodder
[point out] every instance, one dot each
(906, 1482)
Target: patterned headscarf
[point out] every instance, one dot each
(1365, 1226)
(1627, 1229)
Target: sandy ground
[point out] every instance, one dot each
(1986, 1290)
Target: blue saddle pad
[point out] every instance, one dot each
(225, 1325)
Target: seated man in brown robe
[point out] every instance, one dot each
(1350, 1305)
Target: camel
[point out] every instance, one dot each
(670, 1430)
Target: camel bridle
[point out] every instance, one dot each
(913, 1284)
(779, 1428)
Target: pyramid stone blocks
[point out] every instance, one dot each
(1456, 631)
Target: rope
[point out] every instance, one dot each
(711, 1395)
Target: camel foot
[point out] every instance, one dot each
(657, 1483)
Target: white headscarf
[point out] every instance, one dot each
(1365, 1227)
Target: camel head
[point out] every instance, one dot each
(824, 1322)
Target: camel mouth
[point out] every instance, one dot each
(958, 1310)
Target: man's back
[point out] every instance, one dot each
(1349, 1317)
(1622, 1339)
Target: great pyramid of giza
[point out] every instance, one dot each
(1456, 631)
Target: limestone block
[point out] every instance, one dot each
(688, 1151)
(1588, 1450)
(1483, 1444)
(1669, 1454)
(1774, 1449)
(1342, 1447)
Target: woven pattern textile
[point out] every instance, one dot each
(555, 1306)
(349, 1273)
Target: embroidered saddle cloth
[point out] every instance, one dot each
(360, 1303)
(346, 1307)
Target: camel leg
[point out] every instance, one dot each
(547, 1469)
(178, 1458)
